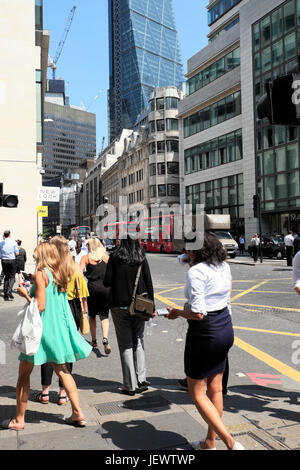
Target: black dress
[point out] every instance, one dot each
(99, 300)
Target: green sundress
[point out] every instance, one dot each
(61, 342)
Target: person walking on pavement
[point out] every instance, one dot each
(60, 342)
(242, 244)
(21, 258)
(8, 252)
(73, 271)
(289, 248)
(72, 246)
(94, 265)
(121, 274)
(209, 337)
(255, 241)
(79, 252)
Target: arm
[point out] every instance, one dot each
(187, 314)
(83, 263)
(147, 279)
(40, 293)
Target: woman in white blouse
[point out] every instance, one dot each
(209, 336)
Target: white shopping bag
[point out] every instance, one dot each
(28, 334)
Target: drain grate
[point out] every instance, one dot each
(140, 404)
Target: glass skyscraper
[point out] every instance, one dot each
(144, 54)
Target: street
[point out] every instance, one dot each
(264, 381)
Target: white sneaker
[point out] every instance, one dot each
(196, 446)
(238, 446)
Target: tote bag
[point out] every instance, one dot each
(28, 334)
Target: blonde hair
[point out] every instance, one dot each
(97, 251)
(66, 259)
(46, 256)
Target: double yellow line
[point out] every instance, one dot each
(253, 351)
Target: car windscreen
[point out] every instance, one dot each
(223, 235)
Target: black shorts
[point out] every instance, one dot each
(97, 306)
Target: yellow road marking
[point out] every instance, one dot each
(283, 333)
(269, 360)
(170, 290)
(166, 301)
(289, 309)
(249, 290)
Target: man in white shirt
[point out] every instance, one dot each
(8, 252)
(289, 248)
(72, 246)
(296, 272)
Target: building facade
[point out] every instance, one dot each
(21, 103)
(227, 154)
(144, 54)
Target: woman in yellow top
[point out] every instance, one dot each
(74, 271)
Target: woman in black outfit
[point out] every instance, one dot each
(121, 274)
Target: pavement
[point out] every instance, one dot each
(162, 419)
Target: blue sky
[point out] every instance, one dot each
(83, 63)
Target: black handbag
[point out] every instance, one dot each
(141, 306)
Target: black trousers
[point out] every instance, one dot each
(9, 269)
(289, 255)
(47, 369)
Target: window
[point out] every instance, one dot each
(172, 103)
(152, 168)
(161, 146)
(160, 125)
(172, 146)
(172, 124)
(152, 148)
(173, 168)
(161, 169)
(152, 105)
(160, 103)
(152, 191)
(152, 126)
(173, 189)
(161, 190)
(39, 14)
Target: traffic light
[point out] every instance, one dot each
(8, 200)
(281, 103)
(256, 206)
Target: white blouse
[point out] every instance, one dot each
(208, 287)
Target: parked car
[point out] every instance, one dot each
(272, 247)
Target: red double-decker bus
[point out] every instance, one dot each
(80, 231)
(157, 233)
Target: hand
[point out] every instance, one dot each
(154, 314)
(173, 313)
(22, 291)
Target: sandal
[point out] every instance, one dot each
(94, 343)
(6, 425)
(42, 398)
(106, 345)
(78, 423)
(63, 398)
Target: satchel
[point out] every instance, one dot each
(141, 306)
(84, 321)
(28, 334)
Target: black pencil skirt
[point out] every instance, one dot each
(207, 344)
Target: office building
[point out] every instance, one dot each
(227, 155)
(23, 55)
(144, 54)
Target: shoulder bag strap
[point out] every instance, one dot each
(77, 285)
(136, 282)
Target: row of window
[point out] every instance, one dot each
(163, 190)
(132, 178)
(214, 71)
(279, 191)
(169, 102)
(223, 30)
(218, 112)
(162, 146)
(223, 195)
(160, 125)
(160, 168)
(136, 197)
(225, 149)
(220, 9)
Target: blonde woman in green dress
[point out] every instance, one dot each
(61, 342)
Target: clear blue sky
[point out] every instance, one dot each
(83, 63)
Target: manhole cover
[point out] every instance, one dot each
(139, 404)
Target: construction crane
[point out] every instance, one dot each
(53, 62)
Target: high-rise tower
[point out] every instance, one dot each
(144, 54)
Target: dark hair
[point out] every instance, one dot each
(6, 233)
(129, 252)
(19, 242)
(212, 251)
(78, 246)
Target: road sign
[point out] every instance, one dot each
(48, 194)
(42, 211)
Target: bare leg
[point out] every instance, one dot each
(105, 327)
(22, 392)
(208, 411)
(70, 386)
(93, 327)
(215, 393)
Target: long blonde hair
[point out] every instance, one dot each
(66, 259)
(97, 251)
(46, 256)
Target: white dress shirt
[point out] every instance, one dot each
(289, 240)
(208, 287)
(296, 270)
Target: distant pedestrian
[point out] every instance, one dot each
(79, 252)
(121, 274)
(254, 244)
(60, 342)
(94, 264)
(84, 245)
(289, 248)
(8, 252)
(242, 244)
(21, 258)
(72, 246)
(209, 337)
